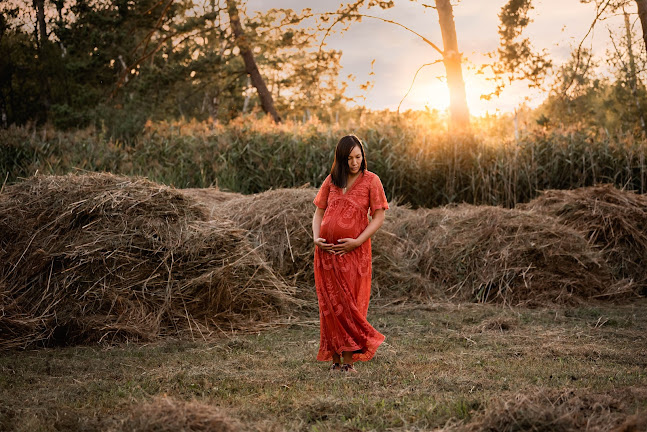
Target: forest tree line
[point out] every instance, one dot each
(79, 62)
(116, 64)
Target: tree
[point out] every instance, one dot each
(642, 14)
(576, 96)
(451, 56)
(116, 64)
(20, 81)
(43, 50)
(599, 104)
(267, 102)
(518, 59)
(632, 75)
(459, 113)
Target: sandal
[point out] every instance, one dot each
(335, 367)
(348, 367)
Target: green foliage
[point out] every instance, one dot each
(581, 99)
(417, 166)
(64, 117)
(19, 73)
(516, 57)
(115, 65)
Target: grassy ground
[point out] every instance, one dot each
(441, 365)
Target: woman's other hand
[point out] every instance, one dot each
(345, 245)
(321, 242)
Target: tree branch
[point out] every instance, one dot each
(598, 14)
(414, 80)
(427, 41)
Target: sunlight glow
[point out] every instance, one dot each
(431, 92)
(434, 95)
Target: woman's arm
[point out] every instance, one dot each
(316, 228)
(346, 245)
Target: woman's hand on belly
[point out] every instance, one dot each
(321, 242)
(345, 245)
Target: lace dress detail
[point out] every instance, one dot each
(344, 282)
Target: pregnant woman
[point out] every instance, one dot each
(341, 233)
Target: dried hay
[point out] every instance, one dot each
(516, 257)
(498, 324)
(635, 423)
(395, 275)
(101, 257)
(164, 414)
(466, 252)
(549, 411)
(209, 198)
(613, 219)
(414, 225)
(280, 226)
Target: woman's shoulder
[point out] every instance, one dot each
(371, 175)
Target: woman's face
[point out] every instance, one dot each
(355, 160)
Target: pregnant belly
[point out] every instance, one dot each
(334, 229)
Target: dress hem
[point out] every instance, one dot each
(366, 354)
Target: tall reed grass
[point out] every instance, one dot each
(418, 162)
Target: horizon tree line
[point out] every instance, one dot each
(117, 63)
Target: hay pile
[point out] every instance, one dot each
(613, 219)
(555, 411)
(100, 257)
(395, 275)
(164, 414)
(280, 224)
(464, 252)
(493, 254)
(209, 199)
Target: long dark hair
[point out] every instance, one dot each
(340, 169)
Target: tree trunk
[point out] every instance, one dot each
(267, 102)
(3, 111)
(3, 26)
(459, 113)
(642, 13)
(39, 6)
(247, 95)
(633, 79)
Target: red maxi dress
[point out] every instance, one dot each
(344, 281)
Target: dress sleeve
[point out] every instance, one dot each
(377, 198)
(321, 200)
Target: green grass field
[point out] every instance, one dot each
(443, 365)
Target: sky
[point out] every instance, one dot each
(558, 26)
